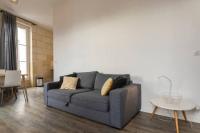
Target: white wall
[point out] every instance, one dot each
(37, 11)
(146, 38)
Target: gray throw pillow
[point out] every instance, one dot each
(101, 79)
(86, 79)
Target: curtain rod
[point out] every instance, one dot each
(21, 18)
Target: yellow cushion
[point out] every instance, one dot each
(107, 87)
(69, 83)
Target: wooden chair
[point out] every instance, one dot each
(2, 72)
(24, 87)
(2, 76)
(12, 81)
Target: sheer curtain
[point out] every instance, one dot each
(8, 60)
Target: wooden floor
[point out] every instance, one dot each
(35, 117)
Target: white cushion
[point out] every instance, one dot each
(69, 83)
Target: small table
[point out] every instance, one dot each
(174, 105)
(2, 77)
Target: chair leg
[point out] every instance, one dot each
(15, 92)
(26, 94)
(12, 91)
(2, 96)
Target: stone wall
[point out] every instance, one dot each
(42, 54)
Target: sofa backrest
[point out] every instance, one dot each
(94, 80)
(101, 78)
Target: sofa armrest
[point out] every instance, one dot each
(124, 104)
(49, 86)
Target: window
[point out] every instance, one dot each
(23, 46)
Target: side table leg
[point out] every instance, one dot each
(154, 111)
(176, 121)
(184, 115)
(185, 118)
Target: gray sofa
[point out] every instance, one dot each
(115, 110)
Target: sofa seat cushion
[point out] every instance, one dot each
(92, 100)
(64, 94)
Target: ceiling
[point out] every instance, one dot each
(37, 11)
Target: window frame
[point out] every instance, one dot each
(28, 50)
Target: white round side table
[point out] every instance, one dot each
(173, 104)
